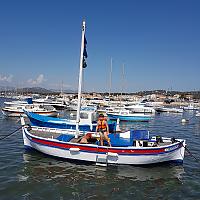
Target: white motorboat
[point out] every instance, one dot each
(16, 109)
(169, 109)
(126, 115)
(58, 104)
(190, 107)
(140, 108)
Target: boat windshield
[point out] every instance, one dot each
(94, 117)
(83, 115)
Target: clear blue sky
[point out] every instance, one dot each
(158, 41)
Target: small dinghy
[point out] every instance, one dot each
(133, 147)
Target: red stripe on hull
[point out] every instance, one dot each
(99, 149)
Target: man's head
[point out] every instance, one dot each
(101, 116)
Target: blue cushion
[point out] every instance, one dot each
(65, 138)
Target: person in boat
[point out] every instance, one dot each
(102, 129)
(85, 138)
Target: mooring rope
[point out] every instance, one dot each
(10, 133)
(197, 159)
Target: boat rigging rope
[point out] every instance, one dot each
(197, 159)
(11, 133)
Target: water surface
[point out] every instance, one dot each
(32, 175)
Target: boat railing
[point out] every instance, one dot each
(56, 130)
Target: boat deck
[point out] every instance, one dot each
(44, 134)
(52, 135)
(55, 135)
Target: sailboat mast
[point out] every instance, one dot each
(122, 88)
(80, 80)
(61, 89)
(123, 74)
(110, 78)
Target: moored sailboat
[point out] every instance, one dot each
(134, 147)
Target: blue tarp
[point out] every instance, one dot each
(117, 141)
(29, 100)
(139, 134)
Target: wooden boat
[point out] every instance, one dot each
(134, 147)
(87, 121)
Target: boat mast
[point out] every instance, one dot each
(110, 78)
(123, 75)
(122, 88)
(80, 80)
(61, 89)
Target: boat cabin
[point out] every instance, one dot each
(88, 117)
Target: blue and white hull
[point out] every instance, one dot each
(130, 155)
(133, 117)
(38, 120)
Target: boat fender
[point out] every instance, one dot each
(112, 154)
(118, 126)
(91, 127)
(22, 120)
(74, 149)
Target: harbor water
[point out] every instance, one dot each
(32, 175)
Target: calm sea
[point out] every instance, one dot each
(32, 175)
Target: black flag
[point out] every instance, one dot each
(85, 55)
